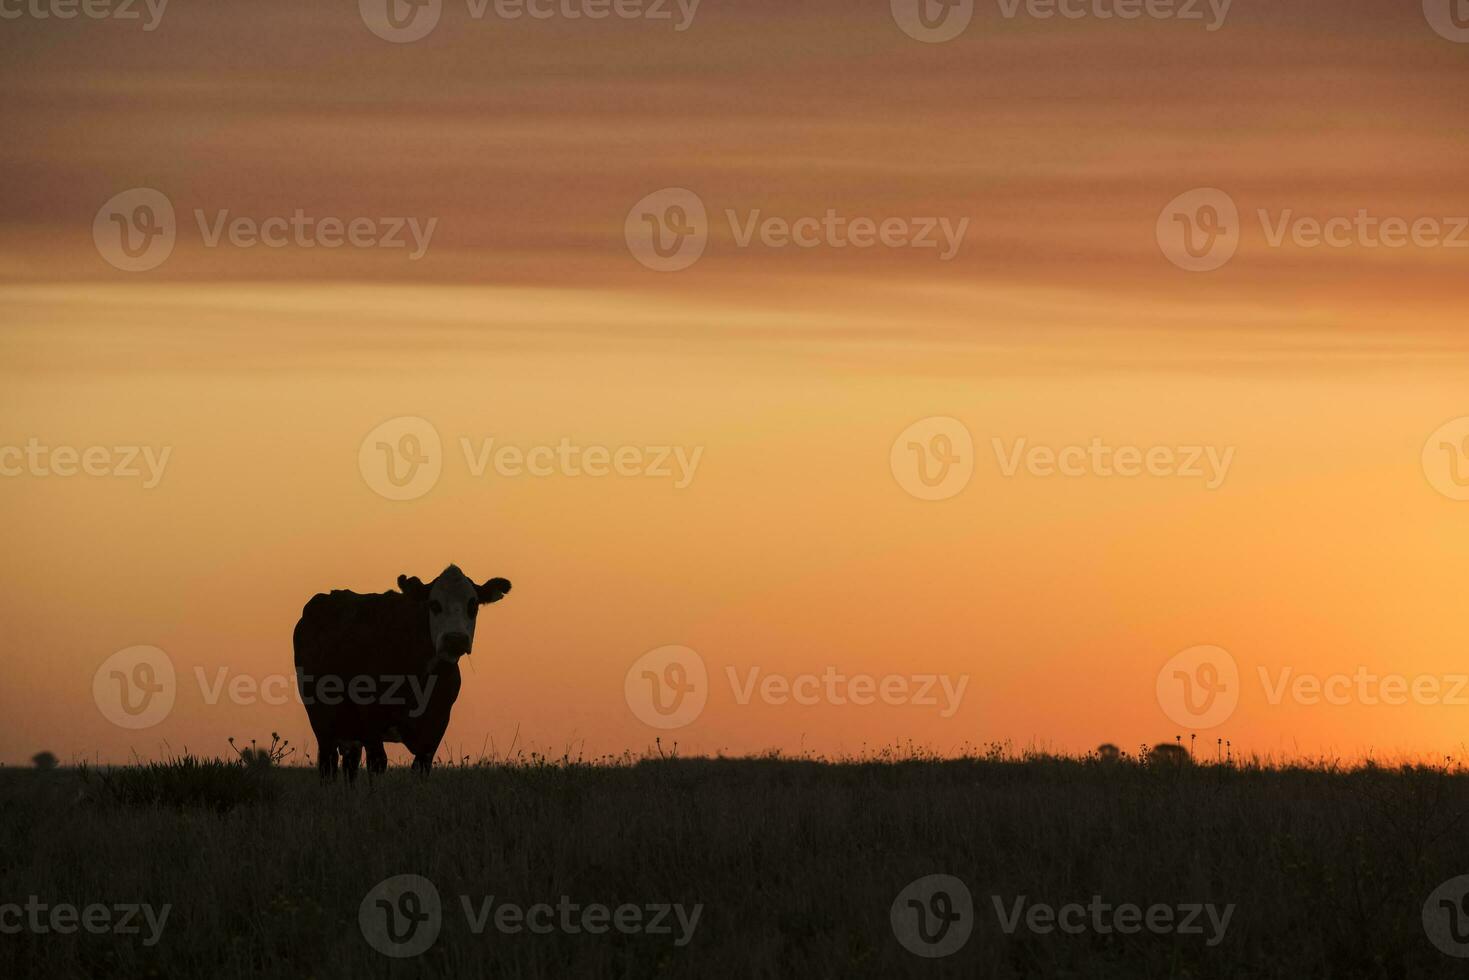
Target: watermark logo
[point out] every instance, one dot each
(668, 230)
(1199, 687)
(401, 916)
(667, 687)
(933, 916)
(933, 459)
(401, 21)
(1446, 459)
(135, 230)
(1448, 18)
(135, 688)
(1199, 230)
(933, 21)
(402, 458)
(1446, 917)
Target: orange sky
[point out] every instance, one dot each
(794, 547)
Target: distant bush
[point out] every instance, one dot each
(1168, 754)
(43, 761)
(182, 783)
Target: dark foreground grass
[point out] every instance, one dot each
(795, 863)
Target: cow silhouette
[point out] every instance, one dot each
(384, 667)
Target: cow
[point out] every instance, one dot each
(384, 667)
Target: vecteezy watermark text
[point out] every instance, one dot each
(934, 458)
(136, 230)
(403, 458)
(668, 688)
(382, 690)
(934, 916)
(1201, 230)
(1212, 12)
(1365, 687)
(64, 918)
(120, 462)
(832, 686)
(1104, 918)
(90, 9)
(668, 231)
(1200, 687)
(1207, 463)
(936, 21)
(405, 21)
(572, 918)
(137, 687)
(307, 231)
(402, 916)
(566, 458)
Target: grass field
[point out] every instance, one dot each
(794, 867)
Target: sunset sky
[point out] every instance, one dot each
(1331, 542)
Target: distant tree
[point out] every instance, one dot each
(43, 761)
(1108, 752)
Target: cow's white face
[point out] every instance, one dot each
(453, 606)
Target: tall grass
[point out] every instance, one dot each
(181, 783)
(796, 861)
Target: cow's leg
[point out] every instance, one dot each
(377, 757)
(424, 749)
(351, 760)
(326, 759)
(427, 730)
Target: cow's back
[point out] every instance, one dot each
(345, 632)
(342, 635)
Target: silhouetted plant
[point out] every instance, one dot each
(255, 757)
(44, 761)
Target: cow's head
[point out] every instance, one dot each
(453, 603)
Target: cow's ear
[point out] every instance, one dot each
(494, 590)
(413, 587)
